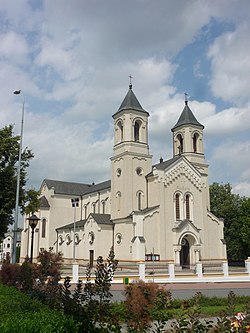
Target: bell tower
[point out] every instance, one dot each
(131, 160)
(188, 137)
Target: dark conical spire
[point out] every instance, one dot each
(187, 118)
(131, 102)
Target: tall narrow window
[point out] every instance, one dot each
(136, 131)
(187, 207)
(121, 130)
(103, 206)
(180, 146)
(195, 139)
(43, 228)
(118, 196)
(177, 206)
(139, 200)
(85, 211)
(94, 207)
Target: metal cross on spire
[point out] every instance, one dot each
(130, 81)
(186, 98)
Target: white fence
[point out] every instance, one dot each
(164, 271)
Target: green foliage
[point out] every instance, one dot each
(9, 153)
(235, 211)
(20, 314)
(32, 201)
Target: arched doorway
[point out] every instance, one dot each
(185, 253)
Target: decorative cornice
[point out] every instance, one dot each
(183, 169)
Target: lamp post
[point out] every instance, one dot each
(17, 92)
(74, 203)
(33, 221)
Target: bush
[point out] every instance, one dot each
(145, 302)
(9, 274)
(20, 314)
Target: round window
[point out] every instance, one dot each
(118, 238)
(139, 171)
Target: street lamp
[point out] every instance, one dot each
(33, 220)
(17, 92)
(74, 203)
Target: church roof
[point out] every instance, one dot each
(99, 218)
(163, 165)
(61, 187)
(78, 224)
(131, 102)
(44, 202)
(68, 188)
(187, 118)
(99, 187)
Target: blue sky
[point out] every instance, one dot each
(72, 61)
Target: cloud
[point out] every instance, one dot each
(229, 55)
(13, 47)
(229, 121)
(231, 160)
(72, 60)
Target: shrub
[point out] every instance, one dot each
(20, 314)
(9, 274)
(144, 302)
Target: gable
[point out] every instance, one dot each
(179, 167)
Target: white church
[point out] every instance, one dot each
(146, 212)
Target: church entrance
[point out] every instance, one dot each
(185, 254)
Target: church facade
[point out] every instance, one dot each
(145, 211)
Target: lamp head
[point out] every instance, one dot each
(33, 221)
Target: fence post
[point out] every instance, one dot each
(247, 265)
(225, 268)
(171, 270)
(199, 269)
(75, 272)
(142, 270)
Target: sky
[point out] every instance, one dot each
(72, 61)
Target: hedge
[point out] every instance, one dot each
(20, 314)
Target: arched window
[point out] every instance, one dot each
(139, 200)
(187, 202)
(118, 196)
(180, 145)
(94, 207)
(120, 126)
(177, 206)
(43, 228)
(195, 140)
(103, 206)
(136, 131)
(85, 211)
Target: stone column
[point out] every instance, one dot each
(225, 268)
(142, 270)
(177, 251)
(171, 270)
(197, 255)
(247, 265)
(199, 269)
(75, 273)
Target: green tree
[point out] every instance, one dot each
(32, 201)
(235, 210)
(9, 152)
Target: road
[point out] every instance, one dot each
(187, 290)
